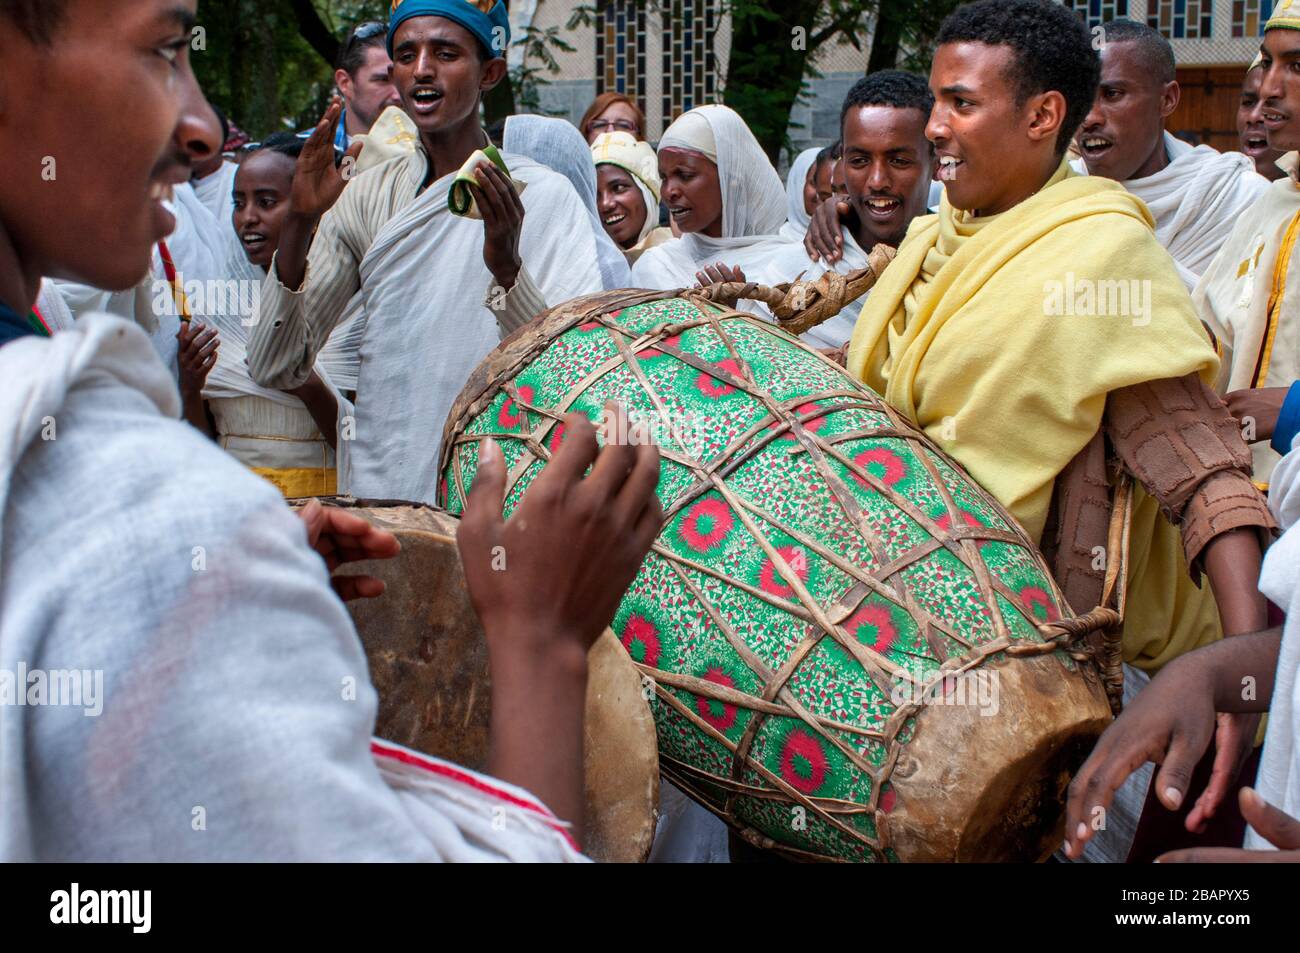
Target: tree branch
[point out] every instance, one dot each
(315, 32)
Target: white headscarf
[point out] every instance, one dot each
(559, 146)
(638, 160)
(796, 218)
(753, 202)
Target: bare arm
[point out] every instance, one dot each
(322, 405)
(545, 584)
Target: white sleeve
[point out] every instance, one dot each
(236, 708)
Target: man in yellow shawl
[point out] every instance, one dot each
(1034, 326)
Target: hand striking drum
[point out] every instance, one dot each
(827, 588)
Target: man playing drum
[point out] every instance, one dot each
(235, 716)
(1035, 319)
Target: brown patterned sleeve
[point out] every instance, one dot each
(1180, 442)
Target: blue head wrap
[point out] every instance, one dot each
(491, 28)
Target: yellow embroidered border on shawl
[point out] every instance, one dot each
(1275, 301)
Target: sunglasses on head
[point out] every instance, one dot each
(364, 31)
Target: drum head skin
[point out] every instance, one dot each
(429, 663)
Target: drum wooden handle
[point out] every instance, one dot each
(800, 305)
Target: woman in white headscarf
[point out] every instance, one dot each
(556, 144)
(627, 188)
(798, 184)
(723, 194)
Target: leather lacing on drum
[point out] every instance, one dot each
(886, 580)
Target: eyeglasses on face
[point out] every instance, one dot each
(612, 125)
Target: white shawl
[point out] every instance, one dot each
(556, 144)
(1196, 200)
(753, 208)
(427, 325)
(797, 219)
(135, 551)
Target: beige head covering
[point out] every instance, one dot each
(691, 130)
(623, 150)
(392, 135)
(638, 159)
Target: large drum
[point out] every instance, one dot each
(857, 653)
(428, 661)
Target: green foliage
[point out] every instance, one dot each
(259, 67)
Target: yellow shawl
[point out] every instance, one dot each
(1000, 338)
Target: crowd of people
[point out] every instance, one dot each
(312, 304)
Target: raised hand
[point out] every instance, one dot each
(503, 222)
(552, 575)
(545, 584)
(196, 356)
(719, 272)
(317, 182)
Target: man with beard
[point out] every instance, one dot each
(1250, 294)
(888, 167)
(1195, 194)
(235, 717)
(438, 289)
(969, 334)
(364, 81)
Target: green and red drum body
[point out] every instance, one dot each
(857, 654)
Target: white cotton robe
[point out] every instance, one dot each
(428, 326)
(132, 547)
(1278, 781)
(1196, 200)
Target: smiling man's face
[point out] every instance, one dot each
(888, 168)
(1279, 88)
(95, 127)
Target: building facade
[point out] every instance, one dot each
(671, 55)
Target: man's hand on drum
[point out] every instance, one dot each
(343, 537)
(546, 583)
(718, 272)
(1171, 723)
(1275, 826)
(554, 573)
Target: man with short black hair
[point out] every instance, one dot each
(999, 329)
(1194, 194)
(887, 165)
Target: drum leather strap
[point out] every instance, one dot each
(800, 305)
